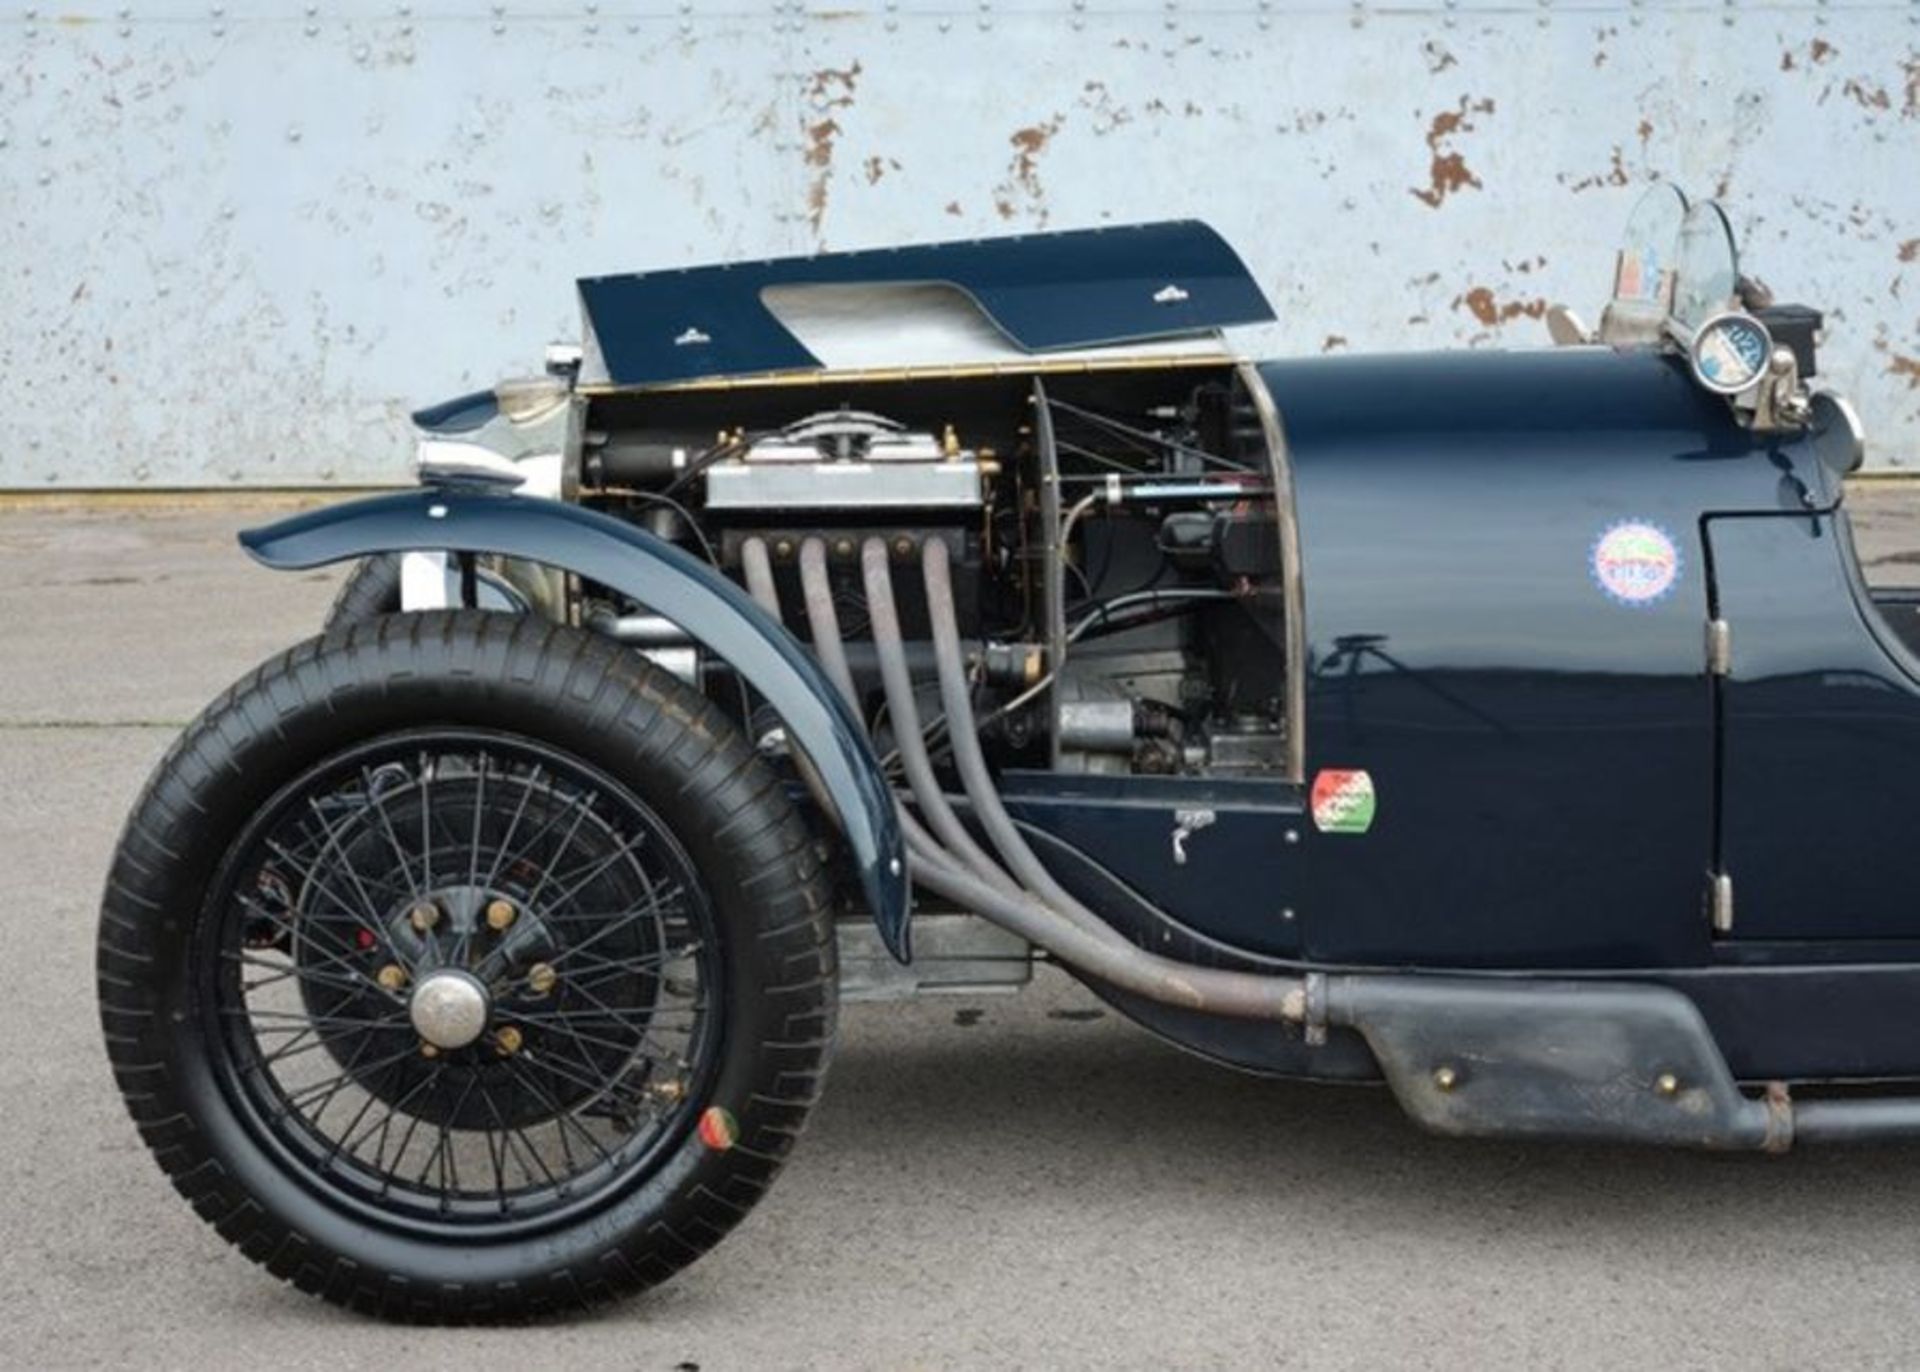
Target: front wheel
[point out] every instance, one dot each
(463, 966)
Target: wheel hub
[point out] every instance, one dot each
(449, 1008)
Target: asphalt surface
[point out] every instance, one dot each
(1013, 1182)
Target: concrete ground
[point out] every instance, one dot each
(1037, 1184)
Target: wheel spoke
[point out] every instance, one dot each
(553, 1097)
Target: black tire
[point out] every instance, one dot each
(371, 589)
(529, 684)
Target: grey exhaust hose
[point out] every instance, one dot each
(891, 651)
(963, 735)
(823, 621)
(1242, 995)
(759, 570)
(754, 562)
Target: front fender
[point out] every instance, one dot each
(669, 582)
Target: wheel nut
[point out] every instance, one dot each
(500, 914)
(424, 916)
(1445, 1078)
(392, 976)
(1667, 1084)
(541, 978)
(506, 1040)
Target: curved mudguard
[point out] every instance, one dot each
(669, 582)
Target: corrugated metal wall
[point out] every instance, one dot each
(239, 240)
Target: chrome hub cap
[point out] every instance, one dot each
(449, 1008)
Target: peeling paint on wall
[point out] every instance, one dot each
(243, 255)
(1448, 172)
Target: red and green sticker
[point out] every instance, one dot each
(1342, 802)
(719, 1130)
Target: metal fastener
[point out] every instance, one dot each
(506, 1040)
(1667, 1084)
(1445, 1078)
(500, 914)
(392, 976)
(424, 916)
(541, 978)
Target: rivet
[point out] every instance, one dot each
(1445, 1078)
(1293, 836)
(293, 135)
(1667, 1084)
(1287, 914)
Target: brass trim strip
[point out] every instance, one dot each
(968, 371)
(1293, 593)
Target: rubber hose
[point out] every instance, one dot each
(891, 651)
(963, 737)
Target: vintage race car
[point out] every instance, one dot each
(1514, 728)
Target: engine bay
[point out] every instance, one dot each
(1111, 539)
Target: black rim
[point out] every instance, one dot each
(457, 979)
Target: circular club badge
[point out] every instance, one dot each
(1635, 562)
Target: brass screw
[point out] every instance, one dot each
(1445, 1078)
(843, 548)
(392, 976)
(541, 978)
(500, 914)
(428, 1050)
(1667, 1084)
(424, 916)
(903, 547)
(506, 1040)
(783, 549)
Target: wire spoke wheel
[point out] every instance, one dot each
(463, 967)
(462, 979)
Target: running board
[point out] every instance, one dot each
(1596, 1061)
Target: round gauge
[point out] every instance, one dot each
(1730, 353)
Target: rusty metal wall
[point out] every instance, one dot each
(239, 240)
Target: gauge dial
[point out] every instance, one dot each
(1730, 353)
